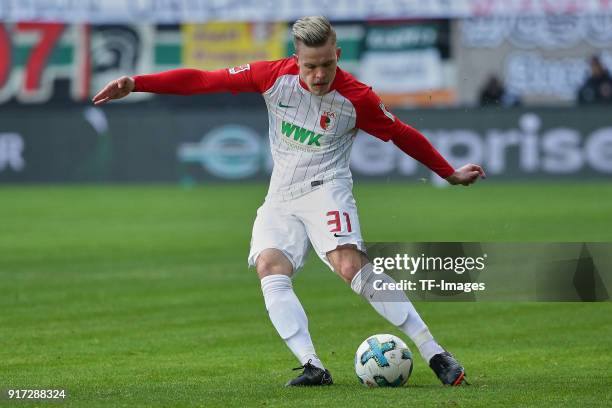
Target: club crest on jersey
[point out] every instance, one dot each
(328, 120)
(386, 112)
(239, 68)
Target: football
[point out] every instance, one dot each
(383, 360)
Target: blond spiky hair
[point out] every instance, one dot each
(313, 31)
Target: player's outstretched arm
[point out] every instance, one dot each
(188, 81)
(253, 77)
(374, 118)
(466, 175)
(116, 89)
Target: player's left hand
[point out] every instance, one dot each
(466, 175)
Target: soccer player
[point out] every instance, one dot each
(314, 112)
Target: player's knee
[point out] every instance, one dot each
(273, 262)
(267, 267)
(347, 261)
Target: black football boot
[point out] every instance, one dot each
(312, 375)
(448, 369)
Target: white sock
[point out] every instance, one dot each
(395, 306)
(288, 317)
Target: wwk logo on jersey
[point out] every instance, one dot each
(328, 120)
(301, 135)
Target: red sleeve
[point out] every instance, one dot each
(374, 118)
(254, 77)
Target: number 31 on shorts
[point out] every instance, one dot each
(335, 219)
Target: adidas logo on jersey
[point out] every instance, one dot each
(301, 135)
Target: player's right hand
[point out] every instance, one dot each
(116, 89)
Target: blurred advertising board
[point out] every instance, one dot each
(218, 45)
(408, 63)
(193, 145)
(57, 63)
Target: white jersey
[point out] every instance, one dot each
(311, 136)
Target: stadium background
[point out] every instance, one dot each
(124, 228)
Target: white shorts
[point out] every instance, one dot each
(326, 216)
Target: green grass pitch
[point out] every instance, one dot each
(131, 296)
